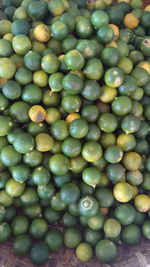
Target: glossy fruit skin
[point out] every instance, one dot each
(59, 130)
(39, 253)
(38, 228)
(92, 236)
(54, 240)
(74, 60)
(146, 229)
(93, 69)
(20, 225)
(6, 232)
(110, 56)
(84, 252)
(71, 147)
(8, 92)
(99, 18)
(23, 143)
(69, 193)
(113, 154)
(72, 83)
(88, 206)
(115, 172)
(22, 245)
(125, 214)
(91, 90)
(107, 122)
(91, 151)
(105, 250)
(59, 164)
(123, 192)
(131, 234)
(6, 125)
(78, 128)
(122, 105)
(9, 156)
(104, 197)
(114, 77)
(105, 34)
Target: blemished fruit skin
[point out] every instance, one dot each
(74, 131)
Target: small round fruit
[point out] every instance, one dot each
(84, 252)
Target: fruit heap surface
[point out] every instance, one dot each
(74, 126)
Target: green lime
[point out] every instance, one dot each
(38, 228)
(19, 111)
(56, 203)
(72, 237)
(5, 232)
(59, 164)
(23, 143)
(22, 245)
(59, 30)
(7, 68)
(132, 161)
(14, 188)
(20, 225)
(99, 18)
(113, 154)
(110, 56)
(56, 81)
(115, 172)
(96, 222)
(91, 151)
(78, 128)
(33, 158)
(93, 69)
(91, 90)
(130, 124)
(86, 47)
(50, 63)
(11, 90)
(125, 213)
(84, 252)
(134, 177)
(106, 250)
(107, 122)
(122, 105)
(91, 176)
(126, 141)
(21, 44)
(114, 77)
(29, 196)
(46, 191)
(131, 234)
(31, 94)
(105, 34)
(71, 147)
(5, 199)
(9, 156)
(51, 215)
(74, 60)
(41, 176)
(71, 103)
(54, 240)
(5, 48)
(6, 125)
(88, 206)
(146, 229)
(104, 197)
(33, 211)
(39, 253)
(107, 139)
(72, 83)
(92, 236)
(59, 130)
(69, 193)
(112, 228)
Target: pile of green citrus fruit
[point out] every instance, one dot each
(74, 126)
